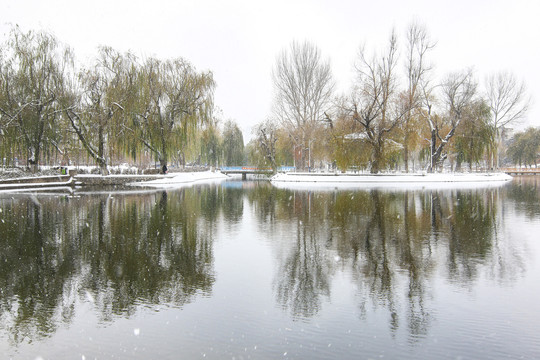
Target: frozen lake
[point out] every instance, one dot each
(239, 270)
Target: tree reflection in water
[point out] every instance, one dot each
(305, 274)
(114, 251)
(119, 251)
(390, 242)
(525, 192)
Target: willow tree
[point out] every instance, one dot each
(98, 102)
(474, 135)
(7, 135)
(524, 147)
(33, 72)
(233, 144)
(210, 144)
(171, 100)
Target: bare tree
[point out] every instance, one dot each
(458, 91)
(508, 103)
(303, 86)
(376, 106)
(417, 70)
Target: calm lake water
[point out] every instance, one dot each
(241, 270)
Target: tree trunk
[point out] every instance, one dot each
(433, 150)
(33, 159)
(498, 145)
(377, 160)
(406, 155)
(163, 165)
(101, 160)
(102, 163)
(458, 164)
(163, 156)
(96, 154)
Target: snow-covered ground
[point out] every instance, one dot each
(388, 180)
(18, 173)
(181, 179)
(119, 178)
(33, 185)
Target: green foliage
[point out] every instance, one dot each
(255, 155)
(211, 146)
(172, 99)
(525, 147)
(264, 148)
(351, 154)
(475, 135)
(95, 107)
(233, 144)
(271, 148)
(33, 72)
(125, 107)
(349, 148)
(117, 107)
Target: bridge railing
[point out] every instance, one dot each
(243, 169)
(522, 171)
(248, 168)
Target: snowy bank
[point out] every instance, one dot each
(181, 179)
(387, 180)
(29, 183)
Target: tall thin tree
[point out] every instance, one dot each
(508, 102)
(303, 86)
(417, 69)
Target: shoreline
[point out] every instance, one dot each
(177, 179)
(389, 178)
(29, 183)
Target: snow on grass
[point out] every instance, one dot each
(377, 178)
(312, 180)
(180, 179)
(33, 186)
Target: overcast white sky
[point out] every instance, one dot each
(239, 40)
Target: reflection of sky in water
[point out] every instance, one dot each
(269, 273)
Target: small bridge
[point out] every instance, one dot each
(522, 171)
(244, 170)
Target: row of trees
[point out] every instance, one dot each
(525, 147)
(396, 114)
(122, 108)
(119, 107)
